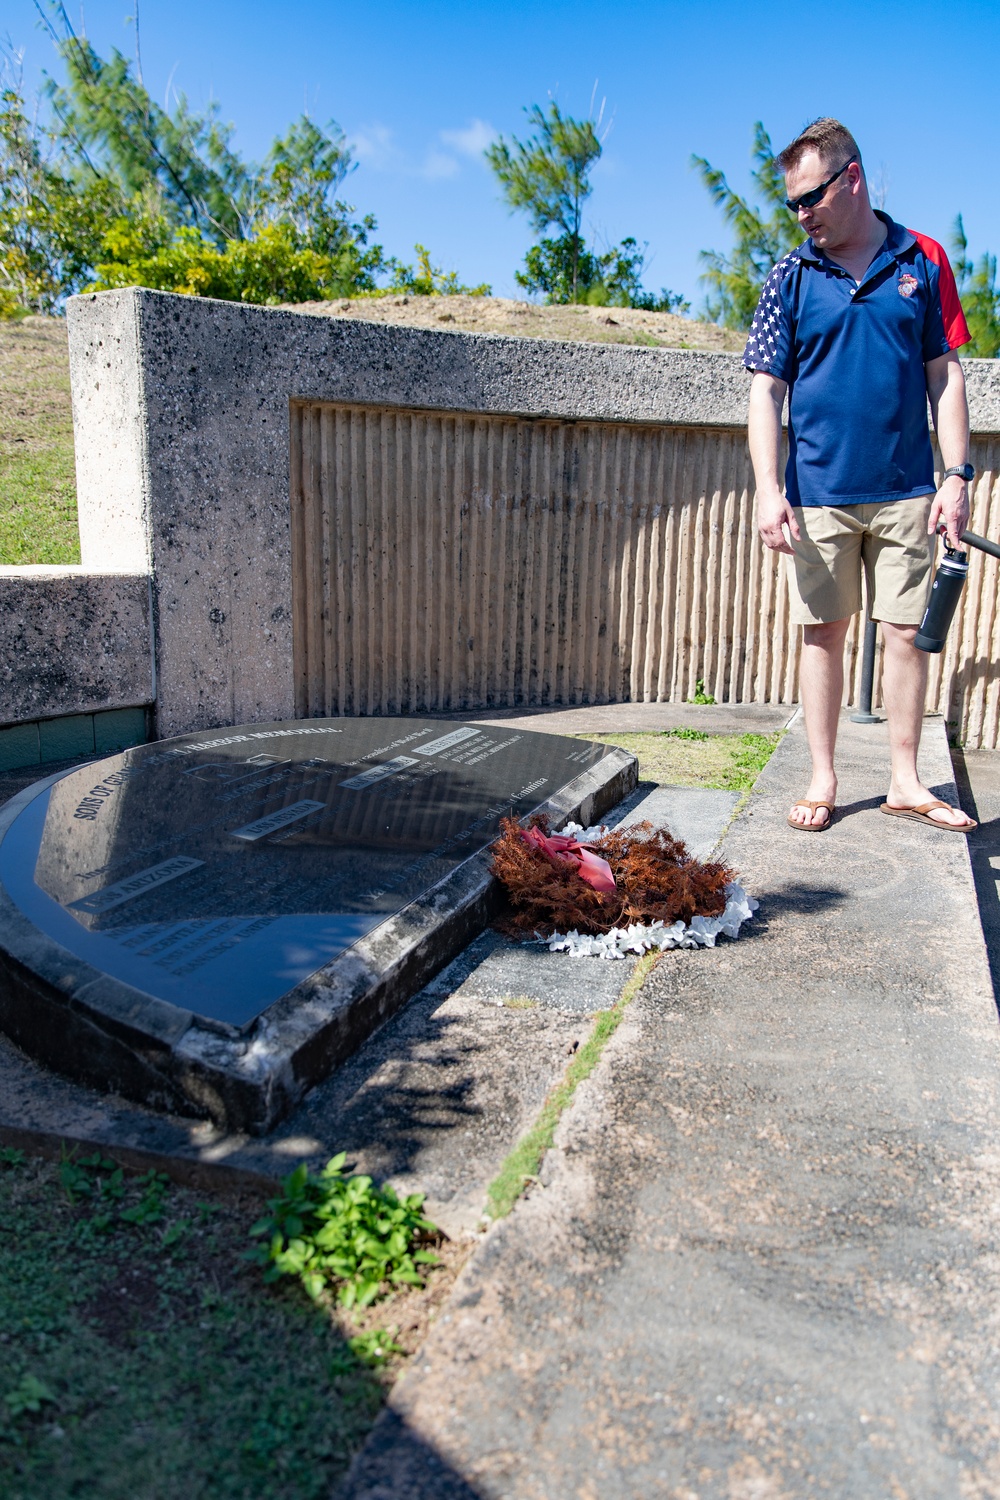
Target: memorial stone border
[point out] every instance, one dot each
(209, 924)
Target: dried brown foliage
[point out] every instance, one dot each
(657, 881)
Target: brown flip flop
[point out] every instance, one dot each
(919, 815)
(812, 806)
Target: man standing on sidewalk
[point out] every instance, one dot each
(859, 326)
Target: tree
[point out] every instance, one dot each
(977, 287)
(51, 227)
(763, 236)
(302, 173)
(112, 190)
(548, 176)
(428, 280)
(106, 118)
(612, 279)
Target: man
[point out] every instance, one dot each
(859, 326)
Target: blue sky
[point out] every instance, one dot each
(420, 88)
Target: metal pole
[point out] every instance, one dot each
(865, 715)
(982, 542)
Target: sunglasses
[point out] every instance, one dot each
(810, 199)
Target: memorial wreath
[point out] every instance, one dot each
(608, 892)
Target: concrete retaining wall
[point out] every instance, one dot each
(183, 414)
(73, 642)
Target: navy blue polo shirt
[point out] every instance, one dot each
(854, 356)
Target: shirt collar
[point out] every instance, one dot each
(897, 241)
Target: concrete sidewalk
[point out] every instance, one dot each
(763, 1263)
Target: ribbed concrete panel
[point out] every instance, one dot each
(451, 561)
(965, 678)
(448, 561)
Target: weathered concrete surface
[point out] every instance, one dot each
(73, 642)
(763, 1265)
(982, 381)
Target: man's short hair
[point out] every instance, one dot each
(832, 141)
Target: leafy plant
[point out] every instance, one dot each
(29, 1395)
(101, 1182)
(329, 1230)
(564, 270)
(106, 188)
(427, 280)
(11, 1157)
(700, 696)
(90, 1177)
(149, 1209)
(548, 175)
(374, 1346)
(685, 734)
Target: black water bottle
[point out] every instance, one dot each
(946, 591)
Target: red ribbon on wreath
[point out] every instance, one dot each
(593, 870)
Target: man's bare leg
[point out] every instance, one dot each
(904, 687)
(821, 685)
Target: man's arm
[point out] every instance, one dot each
(767, 397)
(950, 411)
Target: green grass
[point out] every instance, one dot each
(141, 1356)
(38, 521)
(690, 757)
(522, 1164)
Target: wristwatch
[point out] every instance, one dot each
(964, 471)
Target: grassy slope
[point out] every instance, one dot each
(37, 480)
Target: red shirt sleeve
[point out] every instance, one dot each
(956, 329)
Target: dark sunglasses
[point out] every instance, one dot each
(810, 199)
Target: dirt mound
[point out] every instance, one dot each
(596, 325)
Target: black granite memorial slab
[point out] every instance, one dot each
(211, 923)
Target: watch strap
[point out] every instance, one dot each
(964, 471)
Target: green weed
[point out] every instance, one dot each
(700, 696)
(374, 1346)
(29, 1395)
(330, 1230)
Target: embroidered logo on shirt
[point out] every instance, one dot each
(907, 285)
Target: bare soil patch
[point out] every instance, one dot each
(594, 325)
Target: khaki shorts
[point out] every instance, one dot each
(888, 539)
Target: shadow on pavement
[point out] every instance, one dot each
(804, 900)
(416, 1085)
(396, 1464)
(978, 777)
